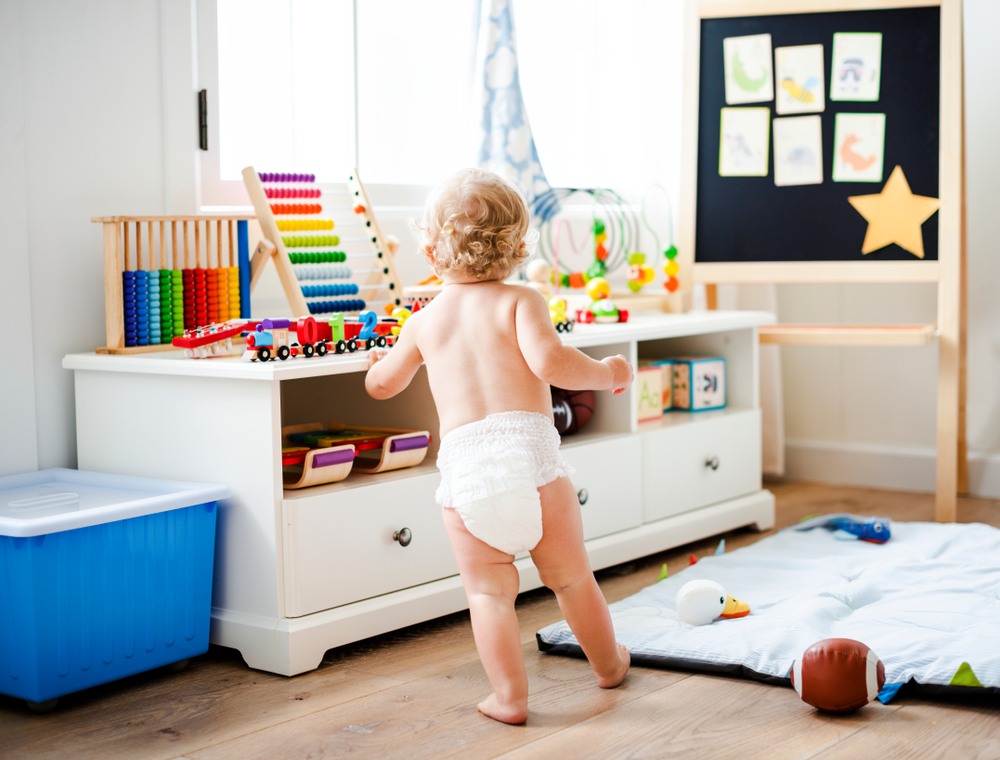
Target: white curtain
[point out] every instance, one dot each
(503, 134)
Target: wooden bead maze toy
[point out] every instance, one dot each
(153, 296)
(325, 265)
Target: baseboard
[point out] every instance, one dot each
(897, 468)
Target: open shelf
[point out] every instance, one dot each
(588, 436)
(848, 335)
(360, 479)
(677, 418)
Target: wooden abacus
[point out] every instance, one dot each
(296, 198)
(151, 298)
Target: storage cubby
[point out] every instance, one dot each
(737, 347)
(613, 415)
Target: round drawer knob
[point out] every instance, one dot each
(582, 495)
(404, 536)
(713, 463)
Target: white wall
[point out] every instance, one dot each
(88, 76)
(18, 444)
(868, 415)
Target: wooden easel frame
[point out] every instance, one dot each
(948, 271)
(272, 247)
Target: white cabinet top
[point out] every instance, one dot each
(639, 327)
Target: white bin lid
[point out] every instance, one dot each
(51, 501)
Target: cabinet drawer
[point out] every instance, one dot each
(608, 478)
(339, 545)
(702, 462)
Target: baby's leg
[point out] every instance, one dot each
(564, 567)
(491, 582)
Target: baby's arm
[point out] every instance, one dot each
(563, 366)
(389, 372)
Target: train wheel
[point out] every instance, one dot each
(283, 352)
(381, 342)
(341, 346)
(352, 345)
(308, 350)
(264, 354)
(321, 349)
(370, 344)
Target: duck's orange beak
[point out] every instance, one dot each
(735, 608)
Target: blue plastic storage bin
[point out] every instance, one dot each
(101, 576)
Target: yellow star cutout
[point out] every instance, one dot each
(895, 215)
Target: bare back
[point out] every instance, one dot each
(468, 341)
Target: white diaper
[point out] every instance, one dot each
(490, 474)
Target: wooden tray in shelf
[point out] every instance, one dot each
(337, 449)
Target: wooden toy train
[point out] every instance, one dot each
(272, 339)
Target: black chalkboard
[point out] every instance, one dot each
(749, 219)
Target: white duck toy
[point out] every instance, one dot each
(701, 602)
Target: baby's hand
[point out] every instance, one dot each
(375, 355)
(622, 373)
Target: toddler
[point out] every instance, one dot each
(491, 353)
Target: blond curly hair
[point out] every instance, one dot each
(476, 225)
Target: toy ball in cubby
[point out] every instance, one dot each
(838, 675)
(572, 410)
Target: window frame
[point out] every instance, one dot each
(215, 192)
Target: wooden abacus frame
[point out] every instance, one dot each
(117, 259)
(272, 247)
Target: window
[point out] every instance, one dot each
(602, 83)
(294, 92)
(387, 85)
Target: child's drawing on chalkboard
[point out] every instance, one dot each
(749, 77)
(743, 145)
(799, 71)
(798, 151)
(858, 147)
(857, 66)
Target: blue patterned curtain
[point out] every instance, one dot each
(506, 144)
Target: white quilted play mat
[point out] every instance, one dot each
(927, 602)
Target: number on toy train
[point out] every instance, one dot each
(369, 319)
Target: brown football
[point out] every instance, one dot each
(571, 410)
(838, 675)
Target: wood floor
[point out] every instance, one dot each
(412, 694)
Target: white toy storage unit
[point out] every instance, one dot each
(300, 572)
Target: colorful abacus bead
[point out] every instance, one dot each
(326, 307)
(212, 295)
(286, 177)
(234, 292)
(325, 291)
(293, 225)
(200, 298)
(141, 309)
(187, 278)
(155, 330)
(310, 241)
(292, 192)
(318, 257)
(322, 273)
(129, 308)
(166, 306)
(177, 296)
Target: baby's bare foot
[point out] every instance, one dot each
(618, 675)
(513, 713)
